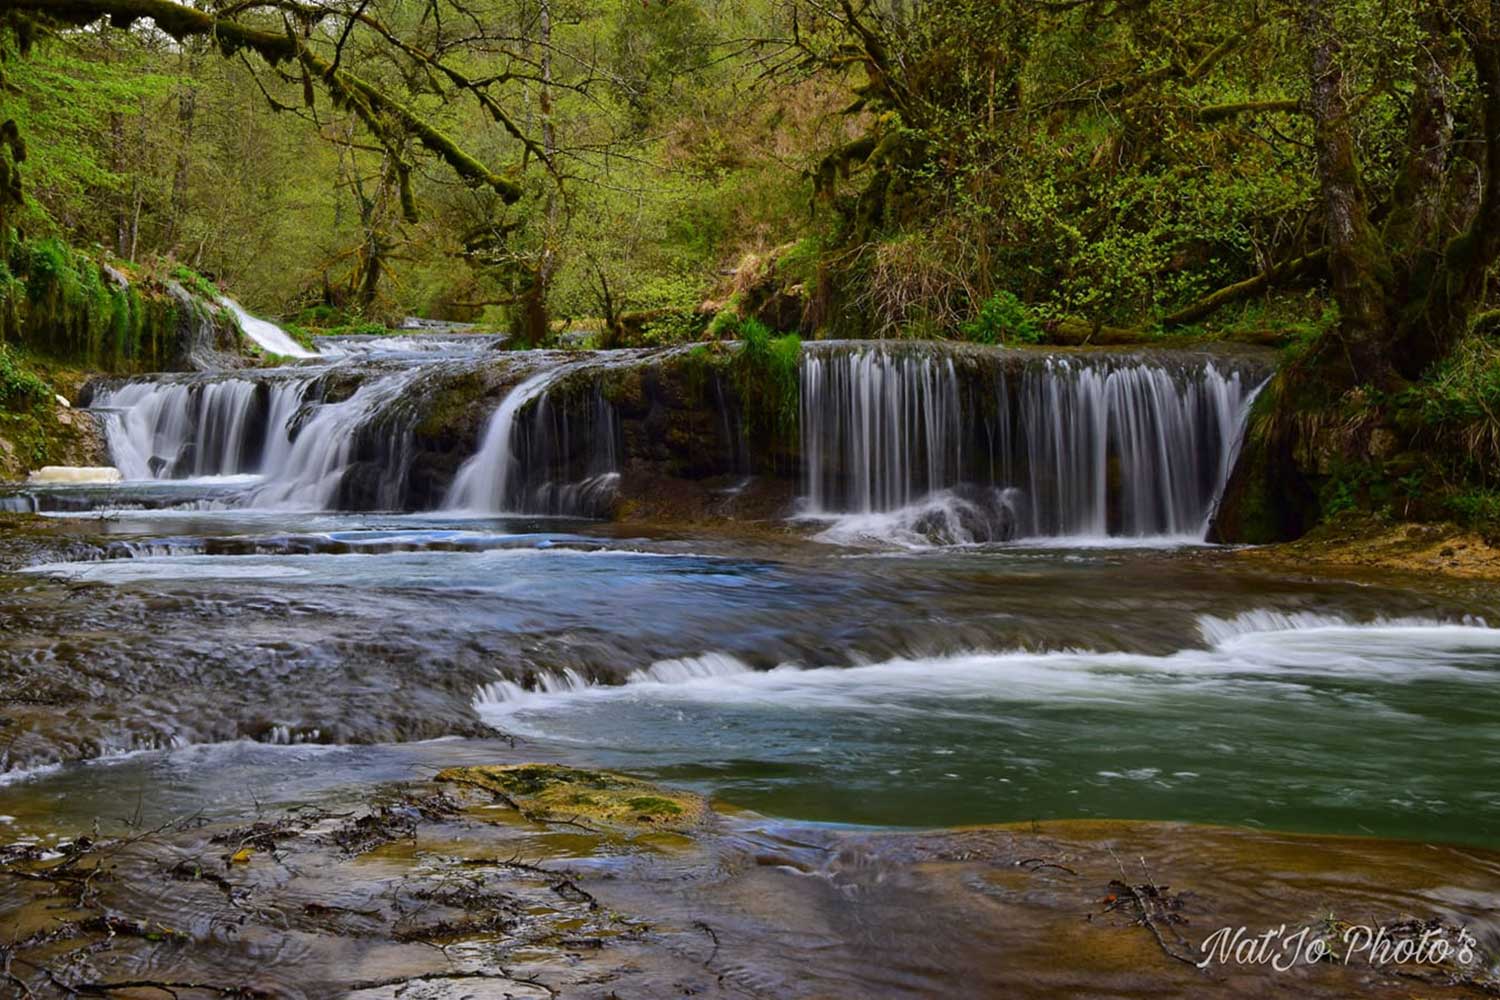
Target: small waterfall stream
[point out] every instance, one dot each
(280, 425)
(267, 334)
(543, 452)
(1047, 446)
(482, 483)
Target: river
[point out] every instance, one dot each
(974, 613)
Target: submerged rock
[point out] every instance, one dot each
(595, 798)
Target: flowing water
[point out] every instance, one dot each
(267, 335)
(1055, 446)
(226, 635)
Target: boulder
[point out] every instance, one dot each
(75, 474)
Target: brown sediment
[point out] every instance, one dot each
(1367, 544)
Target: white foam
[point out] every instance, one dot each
(1288, 650)
(709, 665)
(1260, 622)
(268, 335)
(948, 520)
(179, 568)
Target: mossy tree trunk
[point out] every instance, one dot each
(1406, 285)
(1407, 288)
(1357, 261)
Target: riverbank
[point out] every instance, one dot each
(444, 889)
(1361, 544)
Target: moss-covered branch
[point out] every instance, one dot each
(1223, 112)
(1213, 301)
(181, 21)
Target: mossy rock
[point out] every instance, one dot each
(551, 792)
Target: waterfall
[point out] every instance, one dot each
(1045, 446)
(268, 335)
(310, 473)
(181, 429)
(482, 481)
(549, 458)
(285, 429)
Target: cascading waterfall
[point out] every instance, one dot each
(941, 445)
(181, 429)
(310, 472)
(540, 455)
(282, 428)
(1048, 446)
(267, 334)
(482, 483)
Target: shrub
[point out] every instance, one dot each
(20, 388)
(1459, 400)
(767, 374)
(1003, 319)
(673, 328)
(195, 283)
(1477, 508)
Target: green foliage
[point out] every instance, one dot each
(799, 263)
(366, 328)
(672, 328)
(1458, 405)
(1341, 493)
(21, 389)
(321, 316)
(323, 320)
(73, 95)
(1464, 388)
(1476, 507)
(725, 324)
(767, 374)
(1003, 319)
(195, 283)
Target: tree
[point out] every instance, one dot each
(310, 39)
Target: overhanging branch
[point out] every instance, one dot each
(181, 21)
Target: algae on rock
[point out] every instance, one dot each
(553, 793)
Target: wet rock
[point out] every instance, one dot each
(551, 792)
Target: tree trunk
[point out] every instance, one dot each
(1357, 262)
(537, 320)
(1412, 226)
(187, 107)
(117, 165)
(1433, 326)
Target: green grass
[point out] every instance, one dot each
(767, 374)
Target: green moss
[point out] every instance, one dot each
(798, 265)
(446, 409)
(74, 312)
(195, 283)
(546, 792)
(32, 433)
(652, 805)
(21, 389)
(766, 373)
